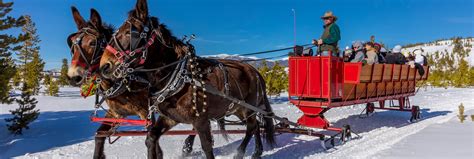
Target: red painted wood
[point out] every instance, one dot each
(352, 73)
(116, 121)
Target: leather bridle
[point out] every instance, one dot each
(100, 42)
(134, 55)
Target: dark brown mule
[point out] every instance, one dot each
(87, 46)
(159, 49)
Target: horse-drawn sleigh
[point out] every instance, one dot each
(144, 70)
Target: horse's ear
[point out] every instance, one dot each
(80, 22)
(95, 19)
(141, 10)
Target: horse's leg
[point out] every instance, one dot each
(251, 126)
(258, 142)
(152, 139)
(203, 128)
(188, 145)
(100, 141)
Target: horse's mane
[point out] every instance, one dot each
(180, 48)
(107, 29)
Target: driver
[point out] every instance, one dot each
(330, 37)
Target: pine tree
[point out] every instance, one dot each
(461, 115)
(47, 79)
(460, 70)
(276, 78)
(471, 76)
(25, 114)
(451, 69)
(16, 78)
(8, 45)
(30, 63)
(63, 77)
(264, 71)
(280, 82)
(33, 75)
(53, 88)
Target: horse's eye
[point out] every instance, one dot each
(92, 43)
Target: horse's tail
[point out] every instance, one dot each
(268, 125)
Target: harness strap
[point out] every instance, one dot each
(114, 91)
(226, 78)
(77, 62)
(175, 84)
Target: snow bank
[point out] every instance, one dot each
(63, 130)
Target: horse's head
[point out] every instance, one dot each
(139, 42)
(87, 46)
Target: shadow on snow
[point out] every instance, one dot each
(50, 130)
(294, 146)
(57, 129)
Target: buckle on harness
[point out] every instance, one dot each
(129, 70)
(132, 53)
(226, 86)
(117, 73)
(186, 79)
(143, 35)
(98, 80)
(119, 55)
(160, 98)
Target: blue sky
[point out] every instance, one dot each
(239, 26)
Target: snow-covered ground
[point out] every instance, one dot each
(63, 130)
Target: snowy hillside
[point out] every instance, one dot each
(429, 48)
(444, 45)
(63, 130)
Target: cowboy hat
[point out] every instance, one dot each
(329, 14)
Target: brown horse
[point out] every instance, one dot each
(87, 46)
(143, 43)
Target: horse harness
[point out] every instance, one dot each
(128, 57)
(186, 71)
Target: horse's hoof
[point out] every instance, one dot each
(186, 153)
(239, 156)
(99, 156)
(187, 149)
(256, 156)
